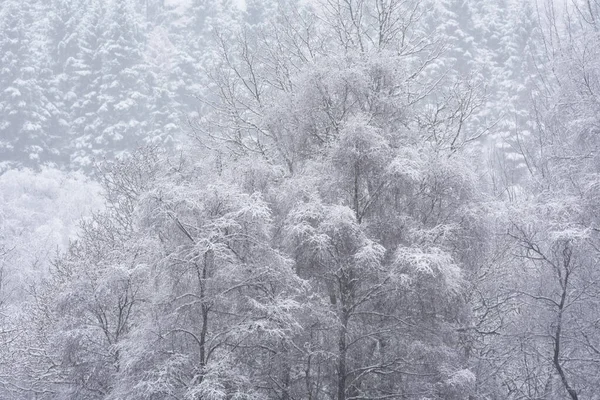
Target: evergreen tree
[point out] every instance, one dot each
(62, 84)
(24, 121)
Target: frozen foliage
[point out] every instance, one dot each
(79, 84)
(39, 215)
(370, 199)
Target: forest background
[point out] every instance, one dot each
(299, 199)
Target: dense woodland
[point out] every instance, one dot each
(300, 199)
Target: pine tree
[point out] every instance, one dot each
(83, 72)
(123, 93)
(22, 102)
(121, 101)
(508, 51)
(63, 85)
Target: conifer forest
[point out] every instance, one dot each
(300, 199)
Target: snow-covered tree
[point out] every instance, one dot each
(22, 102)
(224, 298)
(373, 198)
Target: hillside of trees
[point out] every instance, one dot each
(300, 199)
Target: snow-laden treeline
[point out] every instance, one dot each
(370, 199)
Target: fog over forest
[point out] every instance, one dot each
(300, 199)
